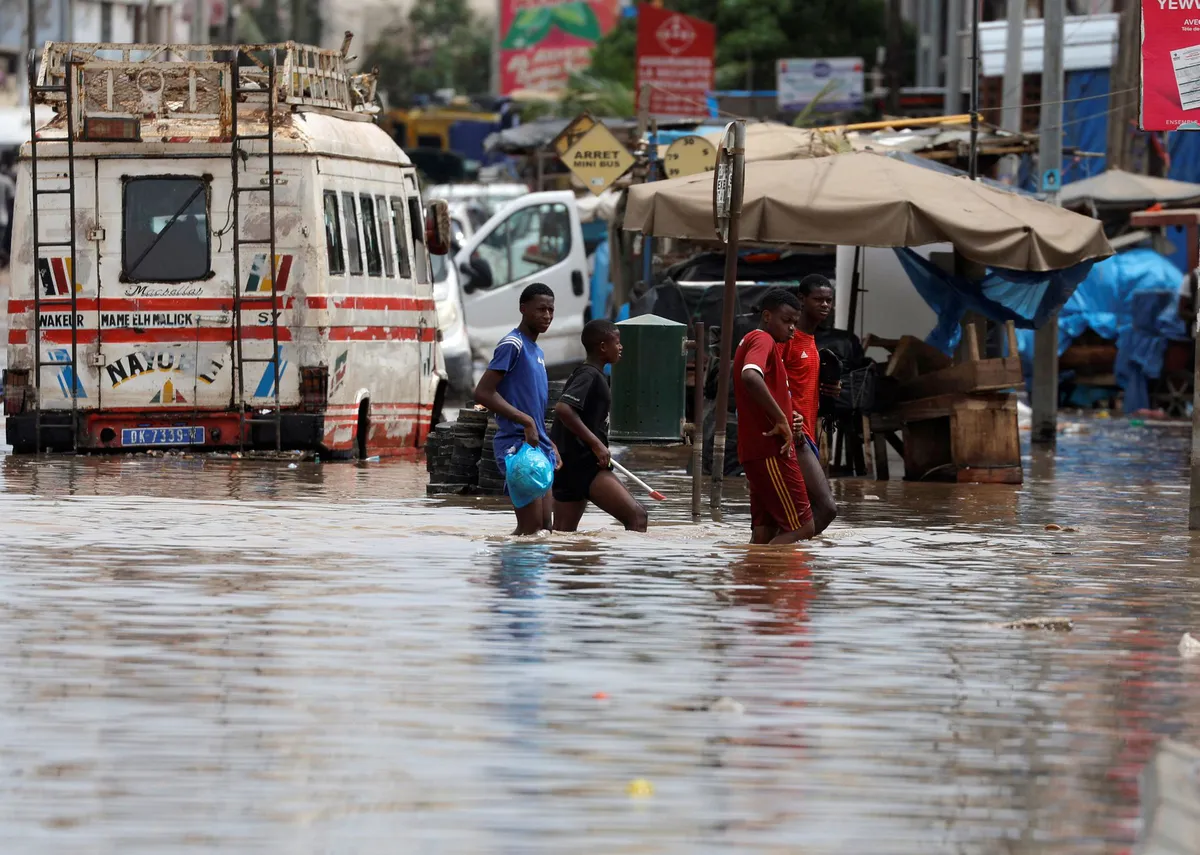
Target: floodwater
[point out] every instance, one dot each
(215, 656)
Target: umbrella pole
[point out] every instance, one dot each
(973, 162)
(730, 300)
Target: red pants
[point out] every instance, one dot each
(777, 494)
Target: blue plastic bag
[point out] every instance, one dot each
(529, 473)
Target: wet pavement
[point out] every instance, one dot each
(202, 655)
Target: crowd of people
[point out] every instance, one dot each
(777, 387)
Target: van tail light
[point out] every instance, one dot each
(16, 390)
(314, 388)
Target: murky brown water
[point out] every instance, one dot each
(201, 656)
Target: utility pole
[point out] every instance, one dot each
(1014, 72)
(954, 63)
(936, 17)
(1122, 104)
(895, 56)
(1045, 350)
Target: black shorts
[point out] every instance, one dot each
(573, 483)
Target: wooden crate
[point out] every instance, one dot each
(971, 439)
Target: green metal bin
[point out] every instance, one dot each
(649, 384)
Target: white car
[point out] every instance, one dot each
(447, 293)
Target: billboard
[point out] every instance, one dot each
(675, 57)
(543, 42)
(1170, 78)
(800, 81)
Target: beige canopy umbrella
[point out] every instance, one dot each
(773, 141)
(867, 199)
(1119, 189)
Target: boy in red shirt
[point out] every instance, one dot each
(803, 364)
(779, 508)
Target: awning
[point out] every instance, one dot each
(866, 199)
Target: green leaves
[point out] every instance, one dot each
(530, 26)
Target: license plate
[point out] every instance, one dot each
(189, 435)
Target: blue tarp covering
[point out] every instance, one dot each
(1026, 299)
(1130, 298)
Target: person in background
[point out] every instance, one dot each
(516, 389)
(580, 432)
(802, 361)
(779, 507)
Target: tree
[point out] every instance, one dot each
(439, 44)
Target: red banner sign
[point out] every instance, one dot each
(543, 42)
(675, 57)
(1170, 65)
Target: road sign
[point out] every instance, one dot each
(597, 158)
(689, 155)
(837, 81)
(675, 59)
(1051, 181)
(723, 184)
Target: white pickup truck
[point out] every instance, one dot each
(537, 238)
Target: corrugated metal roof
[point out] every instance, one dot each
(1089, 42)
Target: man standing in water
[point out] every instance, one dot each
(803, 363)
(779, 508)
(516, 389)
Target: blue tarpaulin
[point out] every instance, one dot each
(1131, 299)
(1026, 299)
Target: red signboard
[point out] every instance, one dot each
(675, 57)
(1170, 65)
(543, 42)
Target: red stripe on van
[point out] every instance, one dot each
(382, 334)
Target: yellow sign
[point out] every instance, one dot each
(689, 155)
(572, 134)
(598, 159)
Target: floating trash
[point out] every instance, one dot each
(1189, 646)
(1050, 623)
(640, 788)
(726, 705)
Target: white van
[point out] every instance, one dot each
(537, 238)
(218, 252)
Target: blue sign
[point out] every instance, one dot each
(1051, 181)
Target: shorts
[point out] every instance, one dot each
(573, 483)
(812, 444)
(777, 495)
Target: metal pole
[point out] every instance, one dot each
(30, 51)
(973, 163)
(1193, 239)
(1014, 71)
(936, 16)
(701, 351)
(953, 57)
(1045, 350)
(730, 300)
(647, 239)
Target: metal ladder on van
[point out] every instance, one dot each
(250, 302)
(68, 376)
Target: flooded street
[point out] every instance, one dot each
(203, 655)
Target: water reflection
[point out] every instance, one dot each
(203, 654)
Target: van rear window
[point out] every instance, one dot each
(370, 236)
(401, 234)
(389, 263)
(350, 212)
(333, 235)
(165, 236)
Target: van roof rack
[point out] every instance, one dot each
(168, 81)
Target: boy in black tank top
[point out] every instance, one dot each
(580, 433)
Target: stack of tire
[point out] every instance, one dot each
(491, 482)
(461, 456)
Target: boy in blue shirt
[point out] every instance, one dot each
(516, 389)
